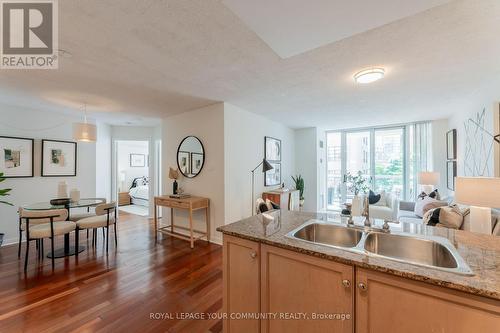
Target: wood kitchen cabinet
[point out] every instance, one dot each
(292, 282)
(386, 303)
(260, 278)
(241, 279)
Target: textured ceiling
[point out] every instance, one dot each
(291, 27)
(157, 58)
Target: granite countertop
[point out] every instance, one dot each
(480, 252)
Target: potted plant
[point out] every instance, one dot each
(299, 185)
(356, 184)
(3, 193)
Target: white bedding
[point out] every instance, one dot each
(140, 192)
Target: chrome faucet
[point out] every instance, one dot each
(366, 212)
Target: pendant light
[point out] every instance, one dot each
(85, 132)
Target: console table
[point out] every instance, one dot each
(190, 204)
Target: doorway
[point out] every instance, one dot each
(132, 177)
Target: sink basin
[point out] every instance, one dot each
(421, 250)
(328, 234)
(412, 250)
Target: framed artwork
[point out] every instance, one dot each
(196, 163)
(451, 173)
(137, 160)
(184, 162)
(272, 149)
(451, 144)
(273, 176)
(16, 157)
(58, 158)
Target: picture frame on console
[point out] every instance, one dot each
(16, 157)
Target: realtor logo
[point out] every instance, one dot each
(29, 34)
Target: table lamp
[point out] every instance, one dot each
(481, 194)
(428, 180)
(174, 174)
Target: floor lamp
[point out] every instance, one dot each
(265, 167)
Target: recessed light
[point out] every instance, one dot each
(369, 75)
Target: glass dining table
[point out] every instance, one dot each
(67, 250)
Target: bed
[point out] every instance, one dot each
(139, 191)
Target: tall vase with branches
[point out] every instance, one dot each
(3, 193)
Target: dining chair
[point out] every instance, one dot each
(49, 224)
(105, 217)
(22, 227)
(79, 216)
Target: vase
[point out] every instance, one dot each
(301, 202)
(356, 206)
(62, 190)
(74, 194)
(175, 187)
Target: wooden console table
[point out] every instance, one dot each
(190, 204)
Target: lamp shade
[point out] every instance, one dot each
(428, 178)
(478, 191)
(85, 132)
(173, 173)
(266, 166)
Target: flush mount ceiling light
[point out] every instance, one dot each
(85, 132)
(369, 75)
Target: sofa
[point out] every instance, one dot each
(406, 214)
(385, 211)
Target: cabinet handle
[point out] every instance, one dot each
(346, 283)
(253, 255)
(362, 286)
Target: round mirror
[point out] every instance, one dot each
(190, 156)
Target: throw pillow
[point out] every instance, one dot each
(421, 204)
(446, 216)
(269, 204)
(383, 199)
(435, 195)
(373, 198)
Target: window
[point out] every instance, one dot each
(388, 157)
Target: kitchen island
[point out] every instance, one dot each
(272, 274)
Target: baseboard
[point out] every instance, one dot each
(11, 241)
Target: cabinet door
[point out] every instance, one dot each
(241, 281)
(388, 304)
(294, 283)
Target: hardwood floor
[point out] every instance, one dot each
(114, 293)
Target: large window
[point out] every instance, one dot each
(388, 157)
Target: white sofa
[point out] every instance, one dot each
(387, 211)
(406, 214)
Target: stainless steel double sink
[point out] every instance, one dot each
(426, 251)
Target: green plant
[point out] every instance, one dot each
(4, 192)
(356, 183)
(299, 185)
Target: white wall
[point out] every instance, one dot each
(103, 161)
(306, 164)
(438, 130)
(208, 125)
(21, 122)
(125, 148)
(244, 134)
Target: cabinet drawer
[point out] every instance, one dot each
(172, 203)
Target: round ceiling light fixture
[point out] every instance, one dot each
(369, 75)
